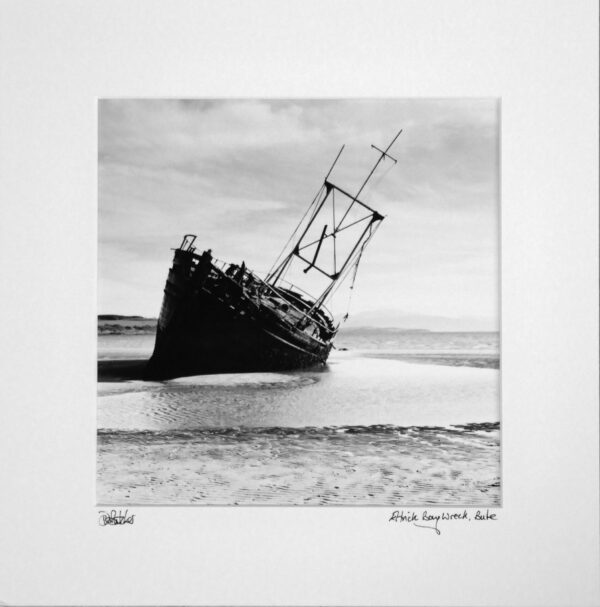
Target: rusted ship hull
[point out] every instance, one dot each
(212, 323)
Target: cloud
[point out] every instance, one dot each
(240, 173)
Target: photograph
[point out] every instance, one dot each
(299, 302)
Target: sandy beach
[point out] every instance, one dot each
(340, 466)
(407, 426)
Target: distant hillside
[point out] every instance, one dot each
(115, 324)
(119, 317)
(380, 330)
(394, 318)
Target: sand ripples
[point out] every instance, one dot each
(378, 465)
(368, 432)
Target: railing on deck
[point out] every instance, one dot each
(263, 287)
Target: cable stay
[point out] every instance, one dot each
(312, 234)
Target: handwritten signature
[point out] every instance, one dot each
(115, 518)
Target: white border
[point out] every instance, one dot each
(540, 58)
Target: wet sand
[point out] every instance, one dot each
(479, 361)
(373, 428)
(359, 465)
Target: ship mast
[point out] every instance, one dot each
(371, 219)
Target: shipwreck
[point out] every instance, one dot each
(219, 317)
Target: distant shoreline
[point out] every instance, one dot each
(121, 317)
(113, 324)
(137, 325)
(117, 324)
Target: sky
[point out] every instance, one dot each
(240, 174)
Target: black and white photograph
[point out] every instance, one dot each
(298, 302)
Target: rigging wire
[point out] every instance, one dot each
(350, 265)
(373, 186)
(307, 210)
(285, 246)
(333, 233)
(353, 266)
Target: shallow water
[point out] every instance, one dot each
(352, 391)
(370, 428)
